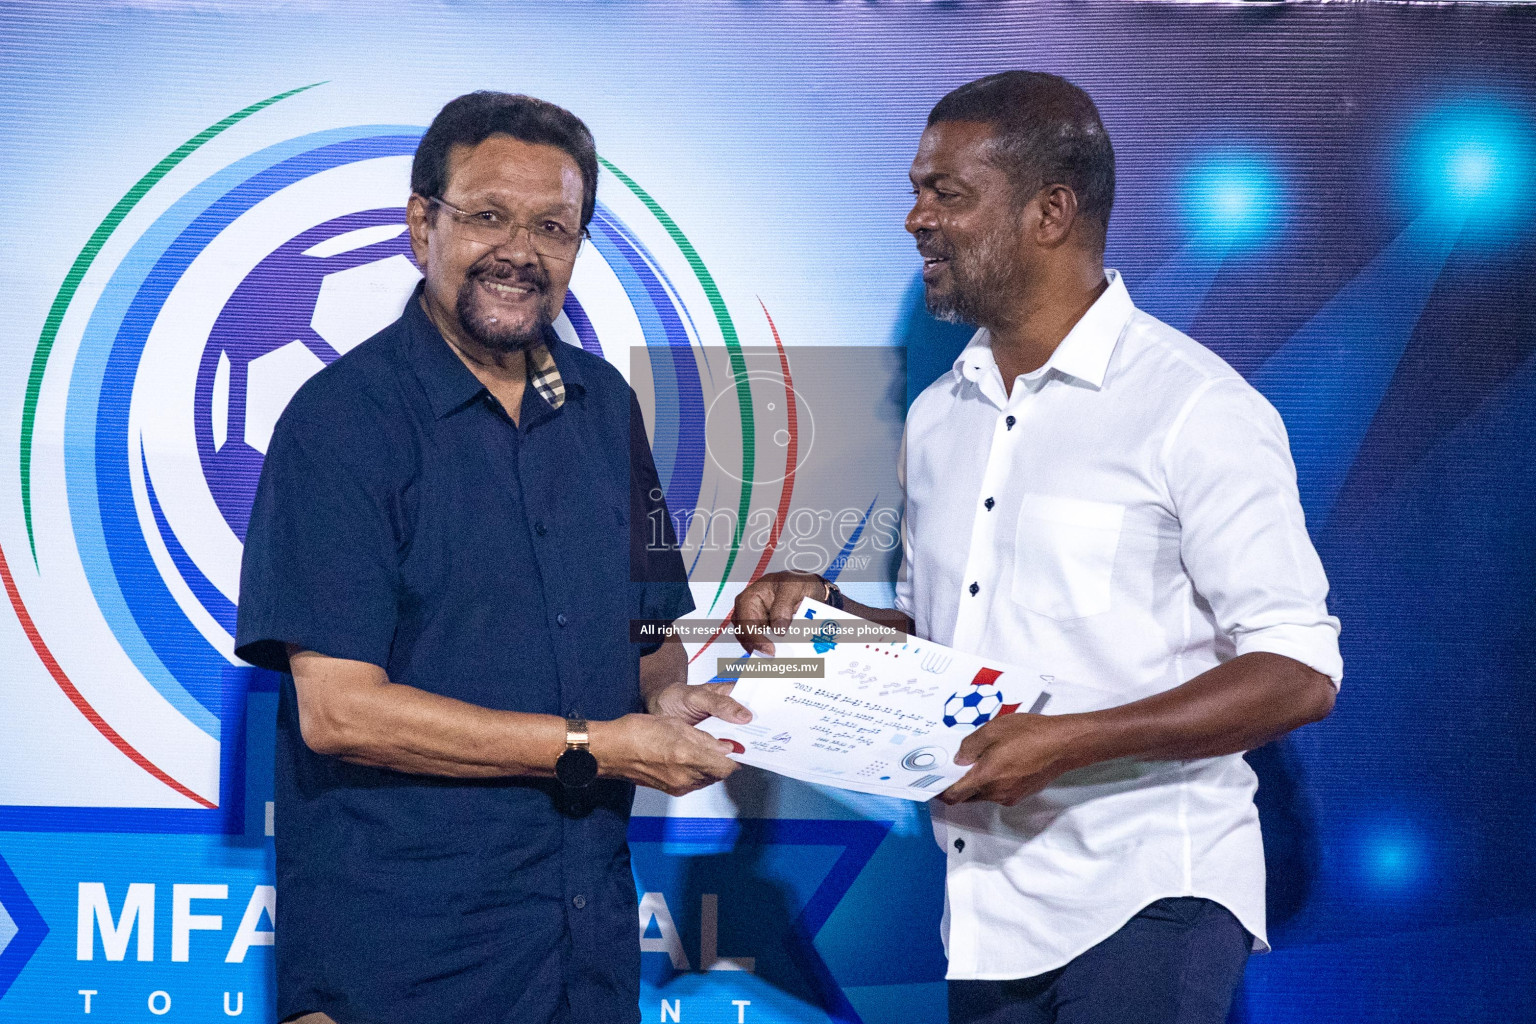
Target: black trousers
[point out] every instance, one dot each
(1179, 961)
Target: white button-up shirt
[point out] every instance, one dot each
(1125, 520)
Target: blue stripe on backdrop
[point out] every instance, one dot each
(1329, 378)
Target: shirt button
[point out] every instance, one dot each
(578, 901)
(975, 589)
(959, 845)
(538, 528)
(989, 503)
(561, 619)
(1010, 421)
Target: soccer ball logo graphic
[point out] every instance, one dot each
(974, 707)
(309, 302)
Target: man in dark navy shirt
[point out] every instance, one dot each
(440, 561)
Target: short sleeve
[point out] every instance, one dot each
(321, 562)
(1243, 536)
(658, 578)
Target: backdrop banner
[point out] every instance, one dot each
(204, 206)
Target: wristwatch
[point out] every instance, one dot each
(576, 767)
(834, 595)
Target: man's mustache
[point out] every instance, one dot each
(528, 276)
(930, 248)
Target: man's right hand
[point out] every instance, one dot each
(770, 603)
(661, 753)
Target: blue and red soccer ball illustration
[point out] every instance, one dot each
(978, 703)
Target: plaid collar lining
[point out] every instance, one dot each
(544, 375)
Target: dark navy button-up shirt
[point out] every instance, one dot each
(404, 520)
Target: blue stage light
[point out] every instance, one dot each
(1392, 858)
(1234, 198)
(1472, 171)
(1475, 159)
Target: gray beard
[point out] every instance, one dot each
(980, 280)
(952, 309)
(496, 336)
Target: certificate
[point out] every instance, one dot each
(881, 717)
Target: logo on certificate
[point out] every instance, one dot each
(978, 703)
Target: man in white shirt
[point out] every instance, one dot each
(1091, 492)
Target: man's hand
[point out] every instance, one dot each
(661, 753)
(1239, 705)
(1015, 756)
(693, 704)
(769, 604)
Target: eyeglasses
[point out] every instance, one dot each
(488, 227)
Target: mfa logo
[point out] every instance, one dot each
(152, 401)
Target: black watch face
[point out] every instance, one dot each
(576, 768)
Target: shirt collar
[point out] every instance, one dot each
(1083, 354)
(449, 383)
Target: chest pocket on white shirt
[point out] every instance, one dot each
(1064, 555)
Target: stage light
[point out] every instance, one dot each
(1471, 171)
(1232, 201)
(1474, 159)
(1233, 198)
(1392, 861)
(1392, 858)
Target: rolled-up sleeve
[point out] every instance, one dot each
(1243, 535)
